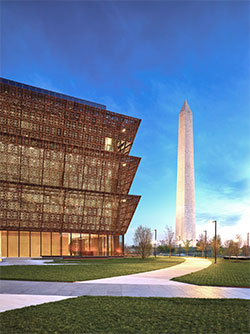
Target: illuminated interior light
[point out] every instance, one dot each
(123, 130)
(124, 165)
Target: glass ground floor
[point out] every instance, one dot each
(36, 244)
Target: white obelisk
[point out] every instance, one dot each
(185, 203)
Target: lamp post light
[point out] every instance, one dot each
(215, 241)
(205, 244)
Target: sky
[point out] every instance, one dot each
(143, 59)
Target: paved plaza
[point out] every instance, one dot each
(17, 294)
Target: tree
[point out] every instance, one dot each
(142, 241)
(201, 243)
(187, 245)
(245, 250)
(237, 245)
(217, 244)
(229, 245)
(169, 237)
(162, 248)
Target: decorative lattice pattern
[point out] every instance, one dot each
(64, 165)
(35, 208)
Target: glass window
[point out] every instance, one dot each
(117, 248)
(56, 244)
(3, 243)
(24, 244)
(75, 244)
(94, 247)
(108, 144)
(13, 244)
(103, 245)
(111, 245)
(46, 242)
(65, 244)
(35, 244)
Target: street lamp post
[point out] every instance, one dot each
(205, 244)
(215, 241)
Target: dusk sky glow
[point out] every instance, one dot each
(143, 59)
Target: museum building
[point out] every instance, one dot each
(65, 174)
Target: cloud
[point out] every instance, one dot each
(229, 205)
(225, 228)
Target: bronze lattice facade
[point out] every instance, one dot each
(65, 174)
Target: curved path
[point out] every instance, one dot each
(157, 277)
(17, 294)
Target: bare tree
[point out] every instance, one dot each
(217, 244)
(245, 246)
(142, 241)
(245, 250)
(229, 245)
(237, 245)
(201, 243)
(169, 238)
(187, 244)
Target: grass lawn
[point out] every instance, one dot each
(125, 315)
(224, 273)
(86, 269)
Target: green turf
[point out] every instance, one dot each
(126, 315)
(224, 273)
(87, 269)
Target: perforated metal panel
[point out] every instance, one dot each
(64, 166)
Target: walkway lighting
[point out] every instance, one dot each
(215, 241)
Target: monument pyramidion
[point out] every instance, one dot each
(185, 199)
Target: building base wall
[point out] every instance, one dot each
(36, 244)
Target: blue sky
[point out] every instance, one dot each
(144, 58)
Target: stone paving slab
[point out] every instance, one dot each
(9, 302)
(175, 289)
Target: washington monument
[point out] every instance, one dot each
(185, 203)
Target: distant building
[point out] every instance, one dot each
(185, 201)
(65, 174)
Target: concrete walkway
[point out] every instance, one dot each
(157, 277)
(24, 261)
(14, 301)
(16, 294)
